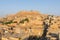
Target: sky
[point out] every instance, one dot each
(44, 6)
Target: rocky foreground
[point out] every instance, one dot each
(30, 25)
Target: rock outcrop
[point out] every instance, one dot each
(30, 23)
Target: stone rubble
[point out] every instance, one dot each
(26, 23)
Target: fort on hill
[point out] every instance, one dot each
(30, 25)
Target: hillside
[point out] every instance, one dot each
(29, 23)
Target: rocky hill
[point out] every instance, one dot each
(30, 24)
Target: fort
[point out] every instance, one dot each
(30, 25)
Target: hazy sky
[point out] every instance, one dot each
(44, 6)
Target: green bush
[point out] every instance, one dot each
(9, 22)
(26, 19)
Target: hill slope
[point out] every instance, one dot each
(26, 23)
